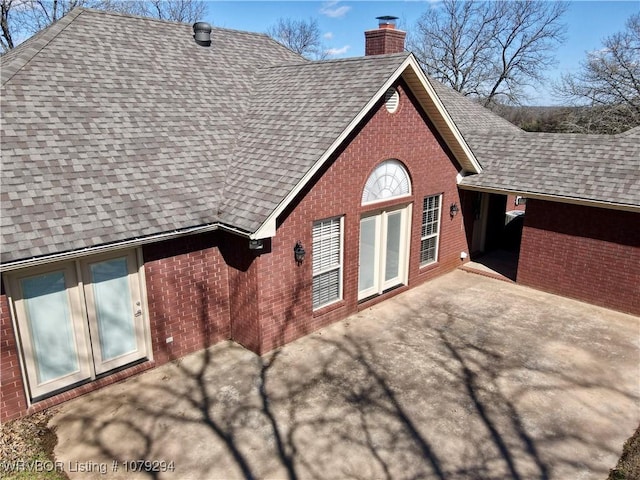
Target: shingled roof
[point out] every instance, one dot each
(296, 114)
(116, 127)
(140, 132)
(603, 170)
(120, 129)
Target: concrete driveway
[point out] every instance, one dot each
(464, 377)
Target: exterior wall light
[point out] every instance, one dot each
(256, 244)
(453, 210)
(298, 252)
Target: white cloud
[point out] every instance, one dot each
(328, 36)
(332, 52)
(331, 9)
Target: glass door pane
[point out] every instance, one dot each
(51, 331)
(368, 270)
(392, 254)
(54, 348)
(115, 312)
(110, 284)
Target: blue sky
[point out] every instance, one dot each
(344, 22)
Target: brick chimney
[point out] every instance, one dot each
(386, 39)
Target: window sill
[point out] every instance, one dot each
(330, 307)
(428, 266)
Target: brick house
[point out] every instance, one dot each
(162, 193)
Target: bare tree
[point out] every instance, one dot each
(6, 12)
(301, 36)
(610, 79)
(490, 50)
(187, 11)
(23, 18)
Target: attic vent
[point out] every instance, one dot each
(392, 100)
(202, 33)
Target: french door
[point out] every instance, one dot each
(78, 320)
(384, 251)
(114, 308)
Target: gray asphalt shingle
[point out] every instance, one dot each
(594, 168)
(597, 168)
(294, 116)
(117, 127)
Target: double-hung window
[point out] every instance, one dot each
(430, 229)
(327, 261)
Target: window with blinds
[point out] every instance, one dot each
(327, 261)
(430, 229)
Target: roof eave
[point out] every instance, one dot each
(427, 98)
(431, 103)
(553, 197)
(129, 243)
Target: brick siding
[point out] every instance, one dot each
(591, 254)
(286, 289)
(384, 40)
(12, 396)
(188, 295)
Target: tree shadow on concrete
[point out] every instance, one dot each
(426, 400)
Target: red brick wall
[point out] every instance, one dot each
(591, 254)
(511, 204)
(285, 288)
(244, 293)
(188, 295)
(384, 40)
(12, 397)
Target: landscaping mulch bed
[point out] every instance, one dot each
(26, 442)
(628, 467)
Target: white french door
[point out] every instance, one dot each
(384, 251)
(78, 320)
(114, 308)
(55, 347)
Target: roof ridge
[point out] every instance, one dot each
(339, 60)
(169, 22)
(34, 45)
(132, 16)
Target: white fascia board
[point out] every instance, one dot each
(476, 167)
(268, 228)
(554, 198)
(136, 242)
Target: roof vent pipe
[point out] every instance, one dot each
(202, 33)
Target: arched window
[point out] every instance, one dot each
(389, 179)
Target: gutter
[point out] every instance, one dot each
(554, 198)
(135, 242)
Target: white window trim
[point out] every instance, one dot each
(432, 235)
(395, 197)
(339, 267)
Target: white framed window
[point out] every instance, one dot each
(429, 237)
(327, 261)
(389, 180)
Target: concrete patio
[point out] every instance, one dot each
(464, 377)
